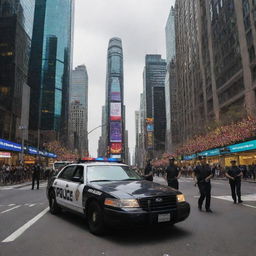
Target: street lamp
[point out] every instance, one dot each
(22, 128)
(96, 128)
(99, 126)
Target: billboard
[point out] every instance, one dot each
(115, 132)
(150, 127)
(115, 156)
(116, 148)
(115, 111)
(150, 140)
(115, 89)
(149, 120)
(115, 96)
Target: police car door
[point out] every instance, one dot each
(76, 186)
(61, 185)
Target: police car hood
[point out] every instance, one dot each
(134, 189)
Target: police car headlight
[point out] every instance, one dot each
(122, 203)
(181, 198)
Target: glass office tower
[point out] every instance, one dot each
(50, 65)
(16, 23)
(115, 111)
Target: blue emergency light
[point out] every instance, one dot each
(100, 159)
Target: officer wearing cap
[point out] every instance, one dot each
(234, 175)
(203, 174)
(173, 174)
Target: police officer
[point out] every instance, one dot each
(148, 172)
(173, 174)
(234, 175)
(36, 175)
(203, 174)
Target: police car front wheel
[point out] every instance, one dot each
(54, 207)
(95, 219)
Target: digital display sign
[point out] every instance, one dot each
(116, 148)
(115, 132)
(115, 89)
(8, 145)
(115, 111)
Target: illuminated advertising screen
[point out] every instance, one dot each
(150, 140)
(115, 96)
(150, 127)
(115, 132)
(115, 89)
(116, 148)
(115, 111)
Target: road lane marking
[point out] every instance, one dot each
(23, 228)
(249, 197)
(15, 207)
(251, 206)
(31, 205)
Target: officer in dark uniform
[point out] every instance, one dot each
(173, 174)
(148, 172)
(35, 175)
(234, 175)
(203, 175)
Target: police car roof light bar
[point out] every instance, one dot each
(99, 159)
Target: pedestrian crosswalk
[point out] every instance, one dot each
(22, 186)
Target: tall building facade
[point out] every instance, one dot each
(50, 67)
(215, 62)
(191, 95)
(153, 88)
(140, 129)
(16, 23)
(113, 132)
(79, 110)
(170, 85)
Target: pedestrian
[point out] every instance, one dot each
(234, 175)
(173, 174)
(253, 171)
(203, 174)
(35, 175)
(148, 172)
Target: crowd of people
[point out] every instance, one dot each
(249, 171)
(15, 174)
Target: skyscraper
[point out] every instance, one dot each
(79, 109)
(170, 84)
(50, 66)
(114, 128)
(215, 63)
(154, 84)
(190, 94)
(16, 23)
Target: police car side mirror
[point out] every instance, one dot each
(77, 179)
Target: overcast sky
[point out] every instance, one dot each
(140, 24)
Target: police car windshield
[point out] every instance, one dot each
(59, 165)
(111, 173)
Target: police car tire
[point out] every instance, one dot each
(95, 219)
(54, 207)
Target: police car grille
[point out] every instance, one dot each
(153, 203)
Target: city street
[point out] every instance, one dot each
(27, 228)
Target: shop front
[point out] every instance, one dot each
(10, 153)
(243, 153)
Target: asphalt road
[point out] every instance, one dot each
(27, 228)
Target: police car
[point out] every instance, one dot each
(110, 193)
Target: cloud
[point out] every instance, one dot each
(140, 24)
